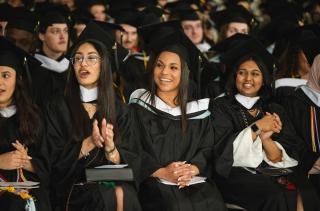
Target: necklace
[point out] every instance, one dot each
(244, 118)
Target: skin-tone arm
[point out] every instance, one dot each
(270, 124)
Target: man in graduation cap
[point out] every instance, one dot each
(235, 19)
(54, 35)
(191, 23)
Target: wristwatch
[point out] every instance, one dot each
(255, 129)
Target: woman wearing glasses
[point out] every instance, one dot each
(84, 131)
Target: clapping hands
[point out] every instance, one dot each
(103, 137)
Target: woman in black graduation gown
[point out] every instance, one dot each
(176, 136)
(84, 130)
(22, 155)
(251, 132)
(303, 108)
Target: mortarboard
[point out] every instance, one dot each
(168, 36)
(52, 14)
(6, 11)
(182, 11)
(150, 15)
(22, 19)
(230, 42)
(129, 17)
(232, 14)
(16, 58)
(79, 16)
(249, 47)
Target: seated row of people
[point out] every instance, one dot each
(165, 135)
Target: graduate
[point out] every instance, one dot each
(303, 109)
(87, 127)
(252, 132)
(54, 37)
(175, 131)
(22, 151)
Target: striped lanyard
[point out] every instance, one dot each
(315, 142)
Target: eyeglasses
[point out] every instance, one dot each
(90, 60)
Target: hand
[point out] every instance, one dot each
(18, 146)
(27, 165)
(96, 136)
(13, 160)
(186, 172)
(107, 135)
(270, 122)
(167, 172)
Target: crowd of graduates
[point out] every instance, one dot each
(213, 105)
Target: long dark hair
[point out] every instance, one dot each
(265, 91)
(27, 112)
(183, 94)
(106, 98)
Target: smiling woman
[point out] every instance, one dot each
(174, 130)
(253, 133)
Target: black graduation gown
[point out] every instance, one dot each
(254, 192)
(162, 143)
(46, 84)
(37, 150)
(69, 186)
(298, 106)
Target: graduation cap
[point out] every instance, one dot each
(53, 14)
(143, 3)
(17, 59)
(98, 31)
(150, 15)
(247, 48)
(81, 16)
(130, 17)
(182, 10)
(232, 14)
(6, 11)
(230, 42)
(22, 19)
(168, 36)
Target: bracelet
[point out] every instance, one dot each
(111, 151)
